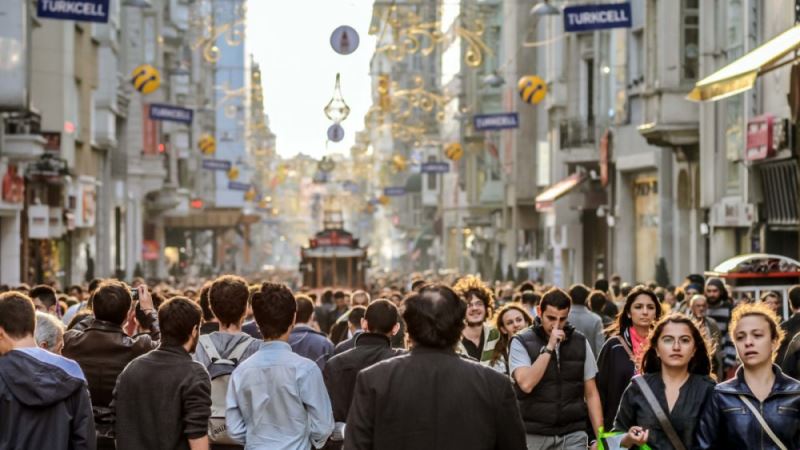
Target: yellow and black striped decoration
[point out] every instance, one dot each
(146, 79)
(532, 89)
(454, 151)
(233, 173)
(207, 144)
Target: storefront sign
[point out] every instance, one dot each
(597, 17)
(13, 185)
(38, 222)
(150, 250)
(216, 164)
(80, 10)
(435, 167)
(487, 122)
(760, 143)
(395, 191)
(171, 113)
(238, 186)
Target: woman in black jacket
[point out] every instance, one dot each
(676, 368)
(620, 356)
(730, 419)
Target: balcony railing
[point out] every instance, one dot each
(576, 133)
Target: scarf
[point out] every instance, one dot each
(637, 342)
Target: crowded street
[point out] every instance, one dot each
(399, 224)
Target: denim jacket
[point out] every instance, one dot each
(727, 423)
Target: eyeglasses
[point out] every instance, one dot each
(475, 304)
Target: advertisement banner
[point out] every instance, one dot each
(597, 17)
(238, 186)
(80, 10)
(395, 191)
(216, 164)
(13, 55)
(171, 113)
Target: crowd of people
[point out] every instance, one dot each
(455, 364)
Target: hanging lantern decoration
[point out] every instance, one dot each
(145, 79)
(250, 195)
(454, 151)
(383, 200)
(344, 40)
(399, 163)
(233, 173)
(532, 89)
(326, 165)
(263, 204)
(336, 109)
(207, 144)
(335, 133)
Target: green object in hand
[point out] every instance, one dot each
(610, 434)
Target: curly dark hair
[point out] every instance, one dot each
(700, 363)
(470, 285)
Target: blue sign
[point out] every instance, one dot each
(216, 164)
(486, 122)
(238, 186)
(435, 167)
(597, 17)
(80, 10)
(396, 191)
(171, 113)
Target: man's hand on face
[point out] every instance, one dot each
(556, 336)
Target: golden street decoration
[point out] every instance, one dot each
(232, 32)
(233, 173)
(207, 144)
(384, 200)
(454, 151)
(399, 163)
(146, 79)
(532, 89)
(250, 195)
(326, 165)
(337, 109)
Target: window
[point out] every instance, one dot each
(589, 62)
(733, 107)
(431, 176)
(690, 34)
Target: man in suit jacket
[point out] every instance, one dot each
(432, 397)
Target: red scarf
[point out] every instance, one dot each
(637, 343)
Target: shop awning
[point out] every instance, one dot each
(740, 75)
(546, 199)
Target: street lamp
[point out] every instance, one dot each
(493, 80)
(545, 9)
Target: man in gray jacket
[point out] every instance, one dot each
(584, 320)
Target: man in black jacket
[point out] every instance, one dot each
(432, 397)
(792, 325)
(163, 399)
(555, 369)
(371, 346)
(44, 399)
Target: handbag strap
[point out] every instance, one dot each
(627, 348)
(666, 425)
(763, 422)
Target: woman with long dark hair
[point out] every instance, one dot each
(510, 319)
(760, 406)
(621, 354)
(676, 370)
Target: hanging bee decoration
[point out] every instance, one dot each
(532, 89)
(233, 173)
(146, 79)
(454, 151)
(207, 144)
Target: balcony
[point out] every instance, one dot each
(22, 141)
(576, 133)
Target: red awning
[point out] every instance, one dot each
(555, 191)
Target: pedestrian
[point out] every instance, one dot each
(45, 300)
(597, 301)
(78, 292)
(354, 317)
(720, 308)
(621, 355)
(277, 398)
(697, 311)
(210, 323)
(250, 326)
(380, 323)
(44, 398)
(342, 329)
(662, 406)
(306, 340)
(432, 398)
(103, 349)
(554, 369)
(222, 351)
(530, 300)
(583, 319)
(479, 337)
(510, 320)
(759, 407)
(773, 302)
(163, 399)
(49, 333)
(791, 326)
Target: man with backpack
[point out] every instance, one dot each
(222, 351)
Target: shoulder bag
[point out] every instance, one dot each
(666, 425)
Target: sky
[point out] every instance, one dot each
(290, 40)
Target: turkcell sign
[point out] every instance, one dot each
(396, 191)
(238, 186)
(597, 17)
(216, 164)
(80, 10)
(487, 122)
(170, 113)
(434, 167)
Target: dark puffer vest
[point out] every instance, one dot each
(556, 405)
